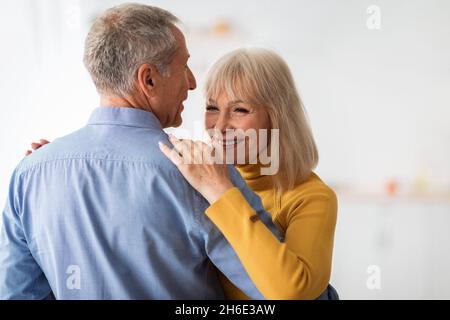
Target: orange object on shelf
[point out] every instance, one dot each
(221, 28)
(391, 187)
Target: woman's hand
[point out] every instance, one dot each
(36, 145)
(195, 161)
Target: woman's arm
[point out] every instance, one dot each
(300, 267)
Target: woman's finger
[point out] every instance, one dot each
(35, 145)
(184, 147)
(43, 141)
(202, 153)
(172, 154)
(197, 153)
(28, 152)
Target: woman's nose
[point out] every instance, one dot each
(223, 123)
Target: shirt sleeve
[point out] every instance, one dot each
(299, 267)
(20, 275)
(219, 250)
(226, 260)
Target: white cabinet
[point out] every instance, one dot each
(408, 239)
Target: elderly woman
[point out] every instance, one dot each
(254, 89)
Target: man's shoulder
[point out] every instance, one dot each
(130, 147)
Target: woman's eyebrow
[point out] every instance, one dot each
(235, 102)
(231, 103)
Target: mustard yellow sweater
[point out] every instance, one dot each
(300, 267)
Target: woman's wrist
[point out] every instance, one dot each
(217, 191)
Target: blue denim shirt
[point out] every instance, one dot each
(102, 214)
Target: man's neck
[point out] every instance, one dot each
(121, 102)
(113, 101)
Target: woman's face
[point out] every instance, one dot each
(224, 118)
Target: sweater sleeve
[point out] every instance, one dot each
(298, 268)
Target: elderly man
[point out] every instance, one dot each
(101, 213)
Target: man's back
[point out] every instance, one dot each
(105, 216)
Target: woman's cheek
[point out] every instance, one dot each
(209, 121)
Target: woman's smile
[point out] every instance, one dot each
(228, 143)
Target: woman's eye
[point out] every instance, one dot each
(211, 108)
(241, 110)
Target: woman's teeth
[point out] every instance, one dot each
(229, 143)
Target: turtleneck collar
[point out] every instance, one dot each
(252, 175)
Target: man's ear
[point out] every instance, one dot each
(147, 77)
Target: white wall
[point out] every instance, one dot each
(378, 101)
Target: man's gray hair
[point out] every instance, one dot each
(124, 38)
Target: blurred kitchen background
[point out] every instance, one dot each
(375, 79)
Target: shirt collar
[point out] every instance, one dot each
(124, 116)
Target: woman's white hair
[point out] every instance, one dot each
(263, 79)
(124, 38)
